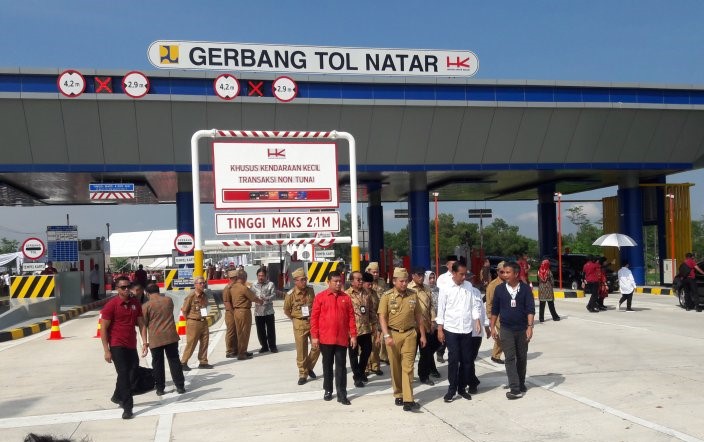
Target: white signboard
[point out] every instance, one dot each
(171, 54)
(292, 222)
(135, 84)
(284, 89)
(71, 83)
(226, 87)
(184, 260)
(33, 248)
(184, 243)
(33, 266)
(324, 254)
(278, 175)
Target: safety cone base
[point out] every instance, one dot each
(97, 331)
(55, 333)
(181, 327)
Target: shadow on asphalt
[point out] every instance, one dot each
(15, 407)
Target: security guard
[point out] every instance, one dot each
(298, 306)
(242, 298)
(399, 315)
(231, 333)
(379, 286)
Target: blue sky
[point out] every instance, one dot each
(640, 41)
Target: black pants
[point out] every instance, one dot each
(426, 361)
(337, 355)
(94, 289)
(266, 331)
(628, 297)
(593, 290)
(441, 347)
(359, 356)
(515, 348)
(171, 351)
(459, 359)
(693, 291)
(551, 306)
(473, 380)
(125, 361)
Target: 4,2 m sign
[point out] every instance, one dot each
(291, 222)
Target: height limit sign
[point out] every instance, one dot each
(284, 89)
(184, 243)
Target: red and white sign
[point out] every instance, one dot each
(249, 175)
(325, 235)
(135, 84)
(184, 243)
(291, 222)
(284, 89)
(226, 87)
(105, 196)
(33, 248)
(71, 83)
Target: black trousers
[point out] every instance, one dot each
(125, 361)
(337, 355)
(628, 297)
(94, 289)
(266, 331)
(359, 356)
(593, 290)
(551, 306)
(426, 361)
(473, 380)
(171, 351)
(459, 359)
(693, 291)
(515, 346)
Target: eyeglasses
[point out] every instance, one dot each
(302, 279)
(123, 287)
(200, 282)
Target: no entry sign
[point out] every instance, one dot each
(33, 248)
(184, 243)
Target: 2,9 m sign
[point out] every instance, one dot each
(292, 222)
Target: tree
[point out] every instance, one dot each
(698, 235)
(9, 245)
(502, 239)
(587, 233)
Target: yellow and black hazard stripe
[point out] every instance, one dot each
(318, 271)
(169, 276)
(35, 286)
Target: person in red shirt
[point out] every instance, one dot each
(524, 266)
(691, 282)
(592, 276)
(332, 329)
(119, 317)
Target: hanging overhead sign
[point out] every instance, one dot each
(111, 191)
(288, 222)
(274, 175)
(242, 57)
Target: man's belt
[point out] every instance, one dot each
(194, 319)
(400, 331)
(303, 319)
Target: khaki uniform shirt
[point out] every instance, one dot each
(242, 296)
(373, 295)
(399, 309)
(379, 285)
(425, 299)
(293, 306)
(192, 305)
(226, 294)
(490, 294)
(364, 314)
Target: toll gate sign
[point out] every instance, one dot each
(33, 248)
(274, 175)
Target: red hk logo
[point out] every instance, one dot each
(458, 63)
(276, 153)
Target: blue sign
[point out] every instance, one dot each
(111, 187)
(62, 243)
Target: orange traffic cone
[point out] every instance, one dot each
(97, 331)
(181, 327)
(55, 331)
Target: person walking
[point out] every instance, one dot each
(546, 293)
(691, 282)
(373, 364)
(592, 277)
(379, 286)
(195, 308)
(514, 305)
(365, 320)
(426, 362)
(298, 306)
(333, 328)
(500, 278)
(161, 330)
(626, 285)
(445, 278)
(264, 313)
(118, 319)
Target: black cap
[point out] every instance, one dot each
(451, 258)
(367, 277)
(418, 270)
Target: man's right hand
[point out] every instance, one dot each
(441, 336)
(315, 343)
(108, 356)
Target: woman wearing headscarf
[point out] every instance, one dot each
(545, 291)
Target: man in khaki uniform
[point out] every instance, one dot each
(373, 365)
(298, 306)
(496, 351)
(365, 320)
(231, 333)
(242, 298)
(195, 308)
(426, 362)
(379, 286)
(400, 315)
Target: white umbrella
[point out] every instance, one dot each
(614, 240)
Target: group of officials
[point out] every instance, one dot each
(366, 323)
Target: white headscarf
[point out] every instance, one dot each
(426, 278)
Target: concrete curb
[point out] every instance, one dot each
(23, 332)
(562, 294)
(655, 291)
(214, 314)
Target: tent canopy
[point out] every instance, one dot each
(149, 243)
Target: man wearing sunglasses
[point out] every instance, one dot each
(119, 317)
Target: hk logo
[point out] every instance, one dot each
(276, 153)
(458, 63)
(168, 54)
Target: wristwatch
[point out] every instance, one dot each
(387, 336)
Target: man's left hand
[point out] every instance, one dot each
(529, 333)
(353, 342)
(423, 341)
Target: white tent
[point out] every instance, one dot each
(150, 243)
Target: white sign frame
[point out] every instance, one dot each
(182, 236)
(33, 242)
(285, 89)
(128, 91)
(224, 77)
(280, 222)
(71, 73)
(274, 175)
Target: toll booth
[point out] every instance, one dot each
(90, 253)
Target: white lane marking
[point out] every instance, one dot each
(41, 334)
(608, 323)
(163, 428)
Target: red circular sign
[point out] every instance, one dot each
(284, 89)
(135, 84)
(71, 83)
(226, 87)
(330, 235)
(184, 243)
(33, 248)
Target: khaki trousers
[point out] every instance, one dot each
(305, 361)
(373, 364)
(402, 356)
(496, 351)
(243, 325)
(230, 334)
(196, 332)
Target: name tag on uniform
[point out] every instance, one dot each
(204, 312)
(362, 309)
(305, 311)
(513, 303)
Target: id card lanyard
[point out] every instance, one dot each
(513, 292)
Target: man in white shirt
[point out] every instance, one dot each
(458, 317)
(626, 285)
(446, 278)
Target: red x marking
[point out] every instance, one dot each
(104, 85)
(255, 88)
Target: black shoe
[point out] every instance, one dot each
(344, 401)
(114, 400)
(465, 395)
(449, 397)
(160, 392)
(379, 372)
(556, 318)
(398, 401)
(206, 366)
(263, 350)
(497, 360)
(364, 378)
(185, 367)
(602, 307)
(523, 388)
(312, 375)
(231, 355)
(541, 320)
(127, 414)
(435, 374)
(439, 358)
(473, 390)
(358, 384)
(302, 381)
(327, 396)
(427, 382)
(274, 350)
(180, 390)
(250, 354)
(245, 357)
(631, 310)
(410, 406)
(698, 309)
(514, 394)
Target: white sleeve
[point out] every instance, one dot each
(476, 306)
(442, 303)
